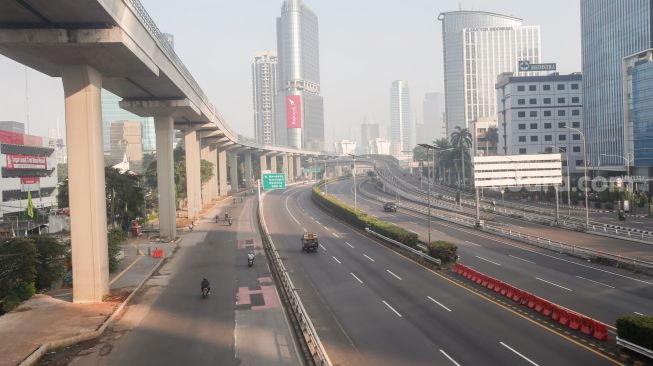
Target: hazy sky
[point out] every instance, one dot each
(364, 46)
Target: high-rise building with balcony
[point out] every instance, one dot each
(402, 131)
(264, 86)
(477, 47)
(610, 31)
(298, 102)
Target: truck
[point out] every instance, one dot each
(309, 242)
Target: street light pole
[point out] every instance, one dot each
(354, 174)
(587, 205)
(430, 170)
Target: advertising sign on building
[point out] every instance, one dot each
(525, 65)
(27, 162)
(293, 111)
(28, 184)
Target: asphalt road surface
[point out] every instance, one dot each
(373, 307)
(604, 293)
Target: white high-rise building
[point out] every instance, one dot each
(299, 102)
(264, 84)
(478, 46)
(402, 132)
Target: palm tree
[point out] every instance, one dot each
(461, 139)
(444, 155)
(491, 137)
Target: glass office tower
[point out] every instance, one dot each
(299, 110)
(478, 46)
(610, 31)
(402, 135)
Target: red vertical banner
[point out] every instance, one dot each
(293, 111)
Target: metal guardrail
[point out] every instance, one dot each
(633, 347)
(314, 345)
(414, 254)
(540, 218)
(553, 245)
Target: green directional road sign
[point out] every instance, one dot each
(274, 181)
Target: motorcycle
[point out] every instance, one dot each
(250, 259)
(205, 292)
(231, 221)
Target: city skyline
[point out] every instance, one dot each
(229, 85)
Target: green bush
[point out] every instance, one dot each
(637, 329)
(115, 238)
(51, 256)
(444, 251)
(363, 220)
(18, 261)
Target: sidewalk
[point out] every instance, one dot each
(51, 317)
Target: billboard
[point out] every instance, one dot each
(26, 162)
(293, 111)
(517, 170)
(525, 65)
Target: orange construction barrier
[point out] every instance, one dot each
(600, 331)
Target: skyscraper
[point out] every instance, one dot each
(477, 47)
(264, 82)
(298, 100)
(111, 112)
(432, 126)
(401, 129)
(369, 133)
(610, 31)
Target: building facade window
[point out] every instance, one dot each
(521, 114)
(562, 137)
(533, 126)
(546, 101)
(576, 149)
(547, 125)
(532, 114)
(532, 101)
(575, 124)
(521, 101)
(546, 87)
(561, 100)
(548, 138)
(575, 112)
(522, 138)
(534, 138)
(547, 113)
(562, 125)
(562, 113)
(575, 100)
(561, 87)
(521, 88)
(521, 126)
(522, 151)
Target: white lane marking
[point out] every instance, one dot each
(470, 243)
(366, 256)
(449, 357)
(326, 228)
(519, 354)
(414, 223)
(291, 215)
(487, 260)
(317, 221)
(393, 309)
(323, 248)
(638, 313)
(303, 228)
(435, 301)
(551, 283)
(389, 271)
(349, 245)
(521, 259)
(358, 279)
(336, 235)
(336, 259)
(596, 282)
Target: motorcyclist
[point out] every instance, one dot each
(226, 216)
(250, 257)
(206, 285)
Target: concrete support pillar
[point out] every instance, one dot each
(248, 169)
(298, 166)
(193, 184)
(291, 168)
(206, 187)
(165, 176)
(263, 162)
(233, 170)
(273, 164)
(222, 171)
(286, 169)
(338, 171)
(213, 183)
(88, 211)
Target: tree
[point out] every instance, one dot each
(491, 137)
(444, 156)
(206, 170)
(123, 193)
(461, 139)
(62, 172)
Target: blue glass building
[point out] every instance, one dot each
(610, 31)
(111, 112)
(642, 114)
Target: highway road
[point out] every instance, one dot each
(604, 293)
(607, 244)
(577, 212)
(168, 323)
(372, 306)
